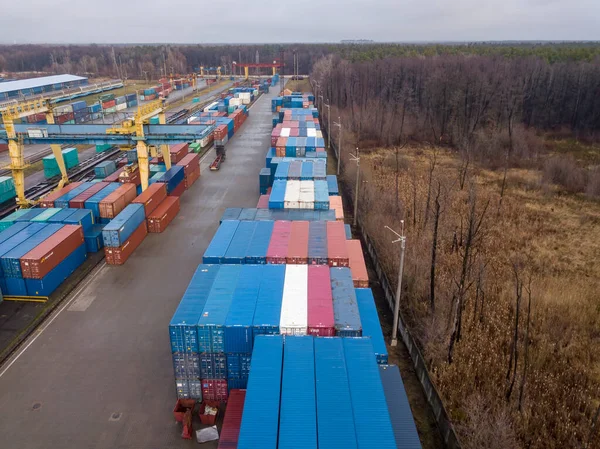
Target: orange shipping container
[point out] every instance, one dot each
(48, 200)
(191, 178)
(358, 266)
(335, 202)
(117, 200)
(298, 246)
(152, 197)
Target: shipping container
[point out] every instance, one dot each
(231, 213)
(61, 216)
(190, 163)
(360, 276)
(188, 389)
(93, 239)
(348, 230)
(29, 215)
(260, 419)
(322, 199)
(93, 203)
(179, 190)
(298, 410)
(294, 313)
(279, 244)
(123, 225)
(332, 185)
(10, 232)
(46, 215)
(163, 215)
(119, 255)
(49, 283)
(307, 195)
(213, 366)
(64, 200)
(371, 327)
(401, 417)
(335, 203)
(10, 220)
(317, 243)
(214, 390)
(220, 243)
(103, 169)
(183, 326)
(268, 304)
(307, 171)
(298, 245)
(151, 197)
(38, 262)
(278, 193)
(211, 325)
(81, 217)
(259, 244)
(248, 214)
(238, 247)
(345, 309)
(238, 324)
(78, 202)
(335, 420)
(186, 365)
(172, 177)
(371, 417)
(191, 178)
(292, 195)
(230, 432)
(337, 253)
(263, 202)
(238, 366)
(320, 315)
(116, 201)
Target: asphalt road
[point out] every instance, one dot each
(98, 374)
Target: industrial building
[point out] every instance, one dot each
(35, 86)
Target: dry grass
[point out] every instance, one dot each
(552, 238)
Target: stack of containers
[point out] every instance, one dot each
(335, 203)
(103, 169)
(112, 204)
(174, 180)
(230, 432)
(264, 213)
(78, 202)
(124, 234)
(191, 169)
(337, 252)
(93, 202)
(7, 189)
(63, 201)
(177, 152)
(345, 308)
(70, 157)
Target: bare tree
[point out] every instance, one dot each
(526, 356)
(511, 373)
(432, 162)
(434, 243)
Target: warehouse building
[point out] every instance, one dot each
(34, 86)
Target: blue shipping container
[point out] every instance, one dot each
(345, 309)
(183, 326)
(332, 185)
(63, 201)
(123, 225)
(213, 366)
(56, 276)
(257, 248)
(172, 177)
(29, 215)
(348, 230)
(260, 419)
(220, 242)
(371, 327)
(268, 304)
(61, 216)
(231, 213)
(14, 229)
(282, 171)
(277, 197)
(248, 214)
(317, 243)
(307, 171)
(238, 366)
(92, 203)
(82, 217)
(93, 239)
(238, 247)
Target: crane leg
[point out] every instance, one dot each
(246, 72)
(17, 166)
(142, 153)
(57, 152)
(164, 149)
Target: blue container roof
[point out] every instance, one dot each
(345, 308)
(129, 211)
(268, 303)
(369, 319)
(33, 241)
(219, 299)
(20, 237)
(239, 243)
(241, 311)
(261, 238)
(222, 238)
(192, 303)
(14, 229)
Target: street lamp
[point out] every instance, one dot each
(402, 239)
(339, 151)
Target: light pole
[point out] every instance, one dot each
(339, 151)
(402, 239)
(356, 157)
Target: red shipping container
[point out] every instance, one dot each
(298, 247)
(336, 244)
(114, 177)
(163, 214)
(152, 197)
(116, 201)
(294, 132)
(118, 256)
(79, 200)
(190, 179)
(230, 432)
(263, 202)
(109, 104)
(3, 147)
(177, 152)
(214, 389)
(48, 200)
(38, 262)
(178, 191)
(278, 246)
(189, 163)
(358, 267)
(320, 317)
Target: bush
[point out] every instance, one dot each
(593, 185)
(564, 171)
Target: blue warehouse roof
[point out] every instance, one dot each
(30, 83)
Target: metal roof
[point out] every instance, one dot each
(30, 83)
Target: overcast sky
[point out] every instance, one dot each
(200, 21)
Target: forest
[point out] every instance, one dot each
(493, 164)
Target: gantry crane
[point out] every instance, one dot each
(217, 70)
(246, 66)
(15, 145)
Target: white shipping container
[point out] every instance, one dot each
(245, 100)
(311, 132)
(37, 133)
(213, 104)
(204, 141)
(294, 304)
(319, 133)
(292, 195)
(307, 194)
(121, 106)
(285, 132)
(235, 102)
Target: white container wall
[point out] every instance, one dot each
(307, 194)
(285, 132)
(292, 195)
(311, 132)
(294, 304)
(121, 106)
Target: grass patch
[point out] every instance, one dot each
(299, 85)
(587, 154)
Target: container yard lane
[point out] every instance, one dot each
(99, 374)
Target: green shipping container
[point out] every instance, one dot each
(195, 147)
(154, 121)
(102, 148)
(6, 184)
(7, 222)
(48, 213)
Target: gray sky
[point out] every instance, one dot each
(178, 21)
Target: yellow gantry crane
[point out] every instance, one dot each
(217, 70)
(136, 127)
(15, 146)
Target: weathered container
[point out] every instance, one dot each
(64, 200)
(307, 171)
(93, 239)
(278, 246)
(49, 283)
(238, 366)
(230, 432)
(123, 225)
(357, 264)
(295, 171)
(238, 324)
(371, 327)
(220, 242)
(259, 244)
(191, 178)
(238, 247)
(188, 389)
(248, 214)
(401, 417)
(214, 390)
(163, 215)
(294, 315)
(213, 366)
(260, 419)
(332, 185)
(38, 262)
(322, 199)
(292, 195)
(186, 365)
(337, 253)
(151, 197)
(317, 243)
(335, 203)
(190, 162)
(93, 203)
(298, 246)
(10, 261)
(321, 321)
(103, 169)
(45, 215)
(298, 409)
(29, 215)
(172, 177)
(79, 201)
(345, 308)
(81, 217)
(114, 177)
(61, 215)
(179, 190)
(371, 417)
(263, 202)
(119, 255)
(268, 304)
(183, 326)
(116, 201)
(177, 152)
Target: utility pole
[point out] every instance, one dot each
(402, 239)
(339, 151)
(356, 157)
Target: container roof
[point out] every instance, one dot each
(30, 83)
